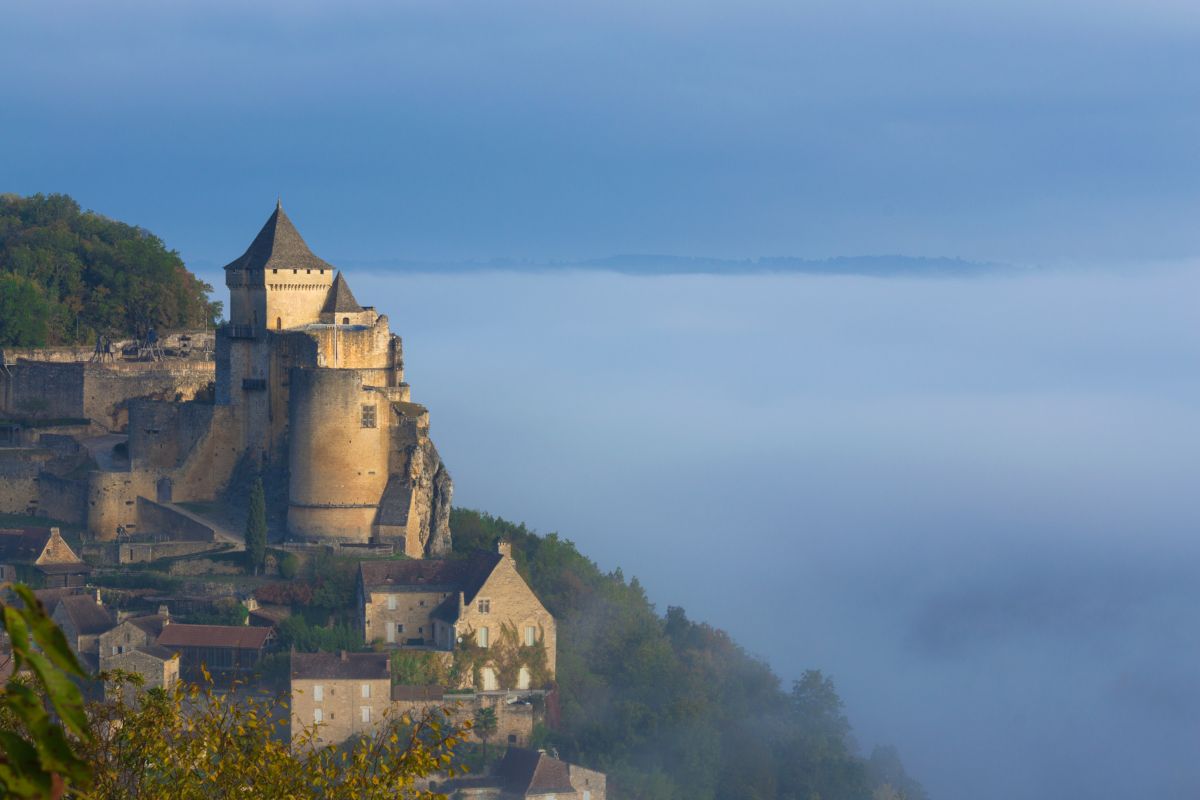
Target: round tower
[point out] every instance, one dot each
(339, 432)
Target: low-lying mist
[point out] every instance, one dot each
(972, 502)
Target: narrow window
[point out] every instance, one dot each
(530, 635)
(317, 716)
(482, 637)
(485, 606)
(279, 323)
(366, 691)
(391, 602)
(368, 416)
(345, 320)
(366, 713)
(391, 632)
(318, 693)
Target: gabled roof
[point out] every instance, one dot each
(86, 615)
(527, 772)
(23, 544)
(239, 637)
(465, 575)
(151, 623)
(348, 666)
(340, 298)
(278, 246)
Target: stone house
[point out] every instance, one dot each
(83, 619)
(530, 775)
(41, 557)
(515, 711)
(157, 666)
(449, 605)
(342, 694)
(129, 634)
(224, 650)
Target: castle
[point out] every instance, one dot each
(304, 378)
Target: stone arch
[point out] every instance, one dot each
(524, 678)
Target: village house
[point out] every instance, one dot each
(157, 666)
(40, 557)
(530, 775)
(131, 633)
(480, 601)
(342, 694)
(83, 618)
(226, 651)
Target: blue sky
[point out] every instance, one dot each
(1017, 131)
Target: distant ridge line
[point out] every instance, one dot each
(655, 264)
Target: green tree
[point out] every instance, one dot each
(23, 312)
(42, 714)
(256, 527)
(485, 725)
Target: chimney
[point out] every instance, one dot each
(504, 548)
(99, 602)
(164, 612)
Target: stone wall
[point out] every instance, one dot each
(155, 518)
(63, 499)
(341, 703)
(514, 720)
(18, 479)
(396, 617)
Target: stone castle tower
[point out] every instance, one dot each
(316, 381)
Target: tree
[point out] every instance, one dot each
(23, 312)
(256, 527)
(41, 708)
(485, 725)
(192, 743)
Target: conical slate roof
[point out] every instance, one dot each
(278, 246)
(340, 298)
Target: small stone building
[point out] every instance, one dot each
(342, 694)
(444, 604)
(130, 634)
(226, 651)
(530, 775)
(157, 666)
(41, 557)
(83, 618)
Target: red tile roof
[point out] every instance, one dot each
(240, 637)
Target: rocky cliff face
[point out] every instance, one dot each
(432, 490)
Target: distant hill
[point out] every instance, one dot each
(651, 264)
(68, 274)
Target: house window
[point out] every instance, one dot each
(530, 636)
(512, 738)
(421, 603)
(279, 323)
(391, 632)
(485, 606)
(366, 713)
(482, 637)
(317, 716)
(318, 693)
(391, 602)
(366, 691)
(345, 320)
(368, 416)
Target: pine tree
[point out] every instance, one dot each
(256, 527)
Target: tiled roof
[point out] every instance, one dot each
(241, 637)
(278, 246)
(353, 666)
(23, 544)
(431, 574)
(340, 298)
(157, 651)
(151, 623)
(527, 772)
(86, 614)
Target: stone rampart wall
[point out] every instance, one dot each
(62, 498)
(156, 518)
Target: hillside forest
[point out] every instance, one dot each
(672, 708)
(67, 275)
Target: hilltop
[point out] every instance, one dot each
(67, 275)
